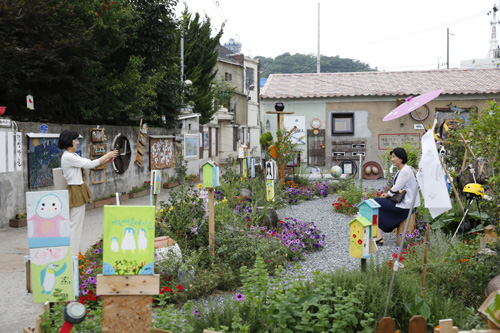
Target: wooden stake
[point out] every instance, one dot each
(427, 235)
(211, 220)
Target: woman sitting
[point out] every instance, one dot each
(392, 214)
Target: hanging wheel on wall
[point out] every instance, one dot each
(423, 112)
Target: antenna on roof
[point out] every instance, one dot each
(494, 51)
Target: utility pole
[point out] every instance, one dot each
(447, 48)
(318, 62)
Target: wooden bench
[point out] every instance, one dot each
(401, 228)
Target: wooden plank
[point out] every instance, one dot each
(417, 325)
(386, 325)
(446, 326)
(126, 314)
(128, 285)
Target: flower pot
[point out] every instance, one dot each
(138, 194)
(166, 247)
(16, 223)
(109, 201)
(170, 185)
(124, 197)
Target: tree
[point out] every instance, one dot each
(301, 63)
(200, 59)
(46, 51)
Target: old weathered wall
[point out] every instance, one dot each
(14, 185)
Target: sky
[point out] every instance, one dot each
(390, 35)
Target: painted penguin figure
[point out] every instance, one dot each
(46, 220)
(128, 241)
(114, 244)
(142, 241)
(48, 277)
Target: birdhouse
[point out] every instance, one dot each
(210, 174)
(242, 151)
(360, 235)
(369, 210)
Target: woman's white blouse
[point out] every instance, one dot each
(406, 181)
(71, 164)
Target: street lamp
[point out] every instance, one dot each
(247, 137)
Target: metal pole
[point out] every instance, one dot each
(396, 263)
(246, 130)
(448, 48)
(318, 62)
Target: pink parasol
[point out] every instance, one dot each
(412, 104)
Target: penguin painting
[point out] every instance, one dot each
(114, 244)
(47, 219)
(48, 277)
(128, 241)
(142, 241)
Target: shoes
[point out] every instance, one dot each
(380, 242)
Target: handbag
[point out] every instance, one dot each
(398, 197)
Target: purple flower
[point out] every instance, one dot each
(239, 297)
(89, 271)
(293, 249)
(196, 312)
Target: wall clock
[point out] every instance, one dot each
(316, 123)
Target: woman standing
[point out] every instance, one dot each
(391, 214)
(79, 194)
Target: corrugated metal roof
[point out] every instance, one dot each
(453, 81)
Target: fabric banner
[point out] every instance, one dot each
(431, 178)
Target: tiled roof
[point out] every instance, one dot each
(453, 81)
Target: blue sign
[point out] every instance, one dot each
(44, 128)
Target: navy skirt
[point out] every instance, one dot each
(390, 216)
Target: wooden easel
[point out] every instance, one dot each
(127, 305)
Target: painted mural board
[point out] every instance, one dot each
(491, 307)
(51, 269)
(386, 141)
(48, 218)
(128, 241)
(269, 189)
(44, 155)
(161, 153)
(298, 136)
(190, 146)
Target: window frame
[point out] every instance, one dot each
(345, 115)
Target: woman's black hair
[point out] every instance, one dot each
(401, 153)
(66, 138)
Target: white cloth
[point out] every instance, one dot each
(431, 178)
(76, 226)
(71, 165)
(406, 181)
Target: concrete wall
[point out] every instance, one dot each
(14, 185)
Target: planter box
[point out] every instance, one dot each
(90, 205)
(195, 180)
(124, 197)
(100, 203)
(16, 223)
(170, 185)
(139, 194)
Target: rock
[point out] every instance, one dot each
(270, 218)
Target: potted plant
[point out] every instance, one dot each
(139, 191)
(193, 178)
(107, 200)
(20, 220)
(170, 181)
(180, 167)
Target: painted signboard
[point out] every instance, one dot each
(161, 153)
(386, 141)
(190, 146)
(128, 241)
(44, 155)
(298, 135)
(51, 271)
(48, 218)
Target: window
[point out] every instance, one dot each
(229, 76)
(342, 123)
(249, 72)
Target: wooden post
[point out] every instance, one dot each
(427, 235)
(386, 325)
(127, 305)
(211, 220)
(446, 326)
(363, 265)
(417, 324)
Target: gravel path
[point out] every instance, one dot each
(335, 253)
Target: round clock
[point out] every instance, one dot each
(316, 123)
